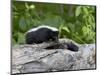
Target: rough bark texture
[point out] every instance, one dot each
(36, 58)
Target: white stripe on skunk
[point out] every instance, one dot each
(43, 26)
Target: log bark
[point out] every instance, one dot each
(36, 58)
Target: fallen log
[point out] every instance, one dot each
(49, 57)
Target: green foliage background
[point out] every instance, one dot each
(75, 22)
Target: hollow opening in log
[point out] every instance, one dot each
(70, 46)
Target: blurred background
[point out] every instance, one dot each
(76, 22)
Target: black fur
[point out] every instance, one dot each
(69, 45)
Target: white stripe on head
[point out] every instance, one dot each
(43, 26)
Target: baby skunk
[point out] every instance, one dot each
(41, 34)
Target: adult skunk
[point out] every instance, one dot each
(41, 34)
